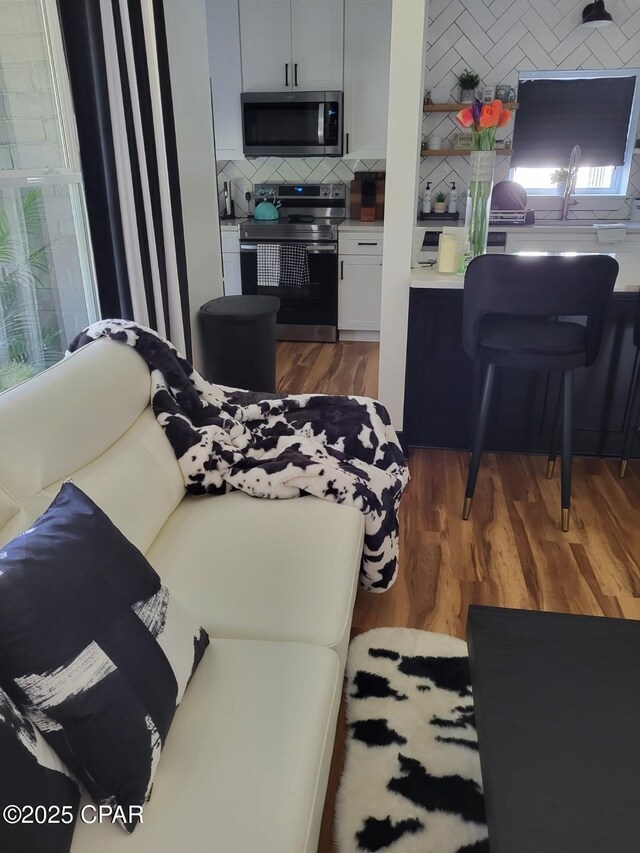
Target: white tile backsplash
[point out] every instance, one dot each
(322, 170)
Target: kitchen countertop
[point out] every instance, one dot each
(429, 278)
(545, 225)
(231, 224)
(358, 225)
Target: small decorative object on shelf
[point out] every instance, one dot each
(506, 93)
(439, 205)
(559, 178)
(468, 82)
(463, 141)
(483, 120)
(488, 94)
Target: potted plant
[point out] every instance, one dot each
(25, 347)
(468, 82)
(559, 178)
(439, 205)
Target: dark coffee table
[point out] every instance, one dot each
(557, 702)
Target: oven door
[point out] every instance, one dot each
(299, 124)
(306, 313)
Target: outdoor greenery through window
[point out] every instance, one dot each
(589, 178)
(47, 290)
(597, 111)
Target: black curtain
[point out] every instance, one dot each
(136, 185)
(82, 33)
(555, 115)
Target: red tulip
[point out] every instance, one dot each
(465, 117)
(505, 115)
(489, 116)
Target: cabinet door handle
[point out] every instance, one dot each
(295, 74)
(286, 74)
(368, 244)
(347, 144)
(341, 270)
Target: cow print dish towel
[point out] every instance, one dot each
(411, 780)
(342, 449)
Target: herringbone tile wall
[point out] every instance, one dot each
(321, 170)
(498, 39)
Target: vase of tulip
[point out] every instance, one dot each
(483, 120)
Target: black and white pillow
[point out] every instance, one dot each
(38, 797)
(94, 648)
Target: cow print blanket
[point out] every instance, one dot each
(342, 449)
(411, 780)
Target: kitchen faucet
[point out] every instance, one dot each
(572, 176)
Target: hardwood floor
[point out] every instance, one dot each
(510, 553)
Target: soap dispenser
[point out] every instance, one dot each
(453, 198)
(426, 200)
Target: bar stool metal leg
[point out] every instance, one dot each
(632, 424)
(555, 435)
(567, 425)
(478, 439)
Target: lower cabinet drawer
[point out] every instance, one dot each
(365, 243)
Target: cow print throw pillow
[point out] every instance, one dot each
(38, 797)
(94, 648)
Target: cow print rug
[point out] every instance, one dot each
(338, 448)
(411, 781)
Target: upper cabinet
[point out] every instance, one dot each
(317, 35)
(367, 47)
(291, 44)
(223, 34)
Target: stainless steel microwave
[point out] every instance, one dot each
(292, 124)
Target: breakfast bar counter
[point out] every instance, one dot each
(441, 382)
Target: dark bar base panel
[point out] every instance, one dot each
(442, 386)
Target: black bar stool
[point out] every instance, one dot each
(632, 424)
(511, 303)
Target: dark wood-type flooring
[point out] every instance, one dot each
(510, 553)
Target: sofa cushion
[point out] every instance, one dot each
(88, 418)
(250, 568)
(246, 762)
(94, 647)
(33, 777)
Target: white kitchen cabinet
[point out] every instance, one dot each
(317, 40)
(265, 39)
(223, 34)
(231, 263)
(360, 285)
(291, 44)
(367, 47)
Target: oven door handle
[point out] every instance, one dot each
(321, 107)
(312, 248)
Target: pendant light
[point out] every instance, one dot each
(595, 15)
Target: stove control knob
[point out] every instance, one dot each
(324, 191)
(337, 193)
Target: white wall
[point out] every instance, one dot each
(189, 68)
(406, 92)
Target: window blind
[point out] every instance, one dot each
(555, 115)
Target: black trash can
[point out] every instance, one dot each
(239, 341)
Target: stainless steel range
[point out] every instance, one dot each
(309, 215)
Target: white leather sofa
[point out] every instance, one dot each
(246, 762)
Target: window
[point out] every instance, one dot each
(47, 290)
(597, 110)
